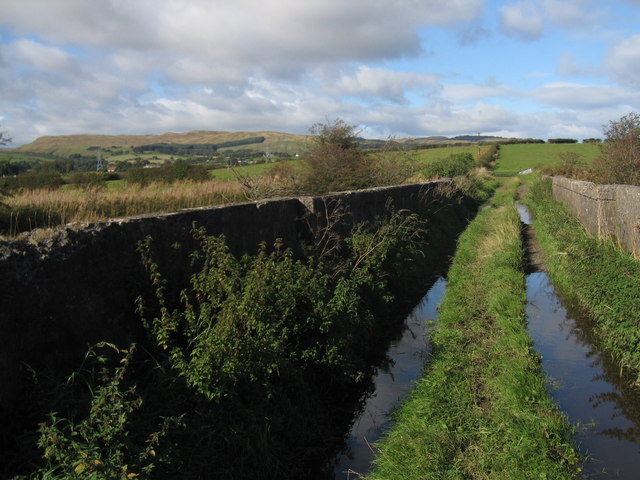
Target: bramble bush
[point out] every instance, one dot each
(335, 162)
(245, 373)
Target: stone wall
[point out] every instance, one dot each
(79, 285)
(606, 211)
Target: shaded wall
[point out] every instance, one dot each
(79, 285)
(606, 211)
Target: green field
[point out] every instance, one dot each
(255, 170)
(515, 158)
(430, 154)
(423, 157)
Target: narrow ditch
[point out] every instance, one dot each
(393, 381)
(585, 383)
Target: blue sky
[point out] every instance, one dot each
(402, 68)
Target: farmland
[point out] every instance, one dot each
(515, 158)
(422, 158)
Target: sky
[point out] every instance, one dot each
(390, 68)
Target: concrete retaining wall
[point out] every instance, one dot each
(79, 286)
(606, 211)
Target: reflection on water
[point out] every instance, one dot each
(587, 385)
(391, 384)
(523, 211)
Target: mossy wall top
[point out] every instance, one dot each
(606, 211)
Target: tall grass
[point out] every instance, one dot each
(49, 208)
(481, 410)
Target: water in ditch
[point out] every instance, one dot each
(391, 385)
(585, 383)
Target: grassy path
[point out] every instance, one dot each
(481, 410)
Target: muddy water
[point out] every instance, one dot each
(585, 383)
(391, 384)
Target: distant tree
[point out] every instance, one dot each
(8, 169)
(4, 139)
(592, 140)
(562, 140)
(619, 161)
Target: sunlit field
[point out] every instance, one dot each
(48, 208)
(515, 158)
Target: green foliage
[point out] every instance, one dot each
(452, 166)
(256, 360)
(336, 163)
(488, 157)
(178, 170)
(90, 179)
(620, 159)
(35, 180)
(478, 185)
(562, 140)
(195, 148)
(100, 444)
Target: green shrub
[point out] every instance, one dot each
(36, 180)
(179, 170)
(452, 166)
(256, 360)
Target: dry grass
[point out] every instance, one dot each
(47, 208)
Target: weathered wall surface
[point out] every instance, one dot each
(606, 211)
(79, 287)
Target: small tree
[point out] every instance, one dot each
(620, 158)
(4, 139)
(335, 162)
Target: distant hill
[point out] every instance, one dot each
(64, 145)
(476, 138)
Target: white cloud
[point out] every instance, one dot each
(576, 96)
(569, 66)
(575, 14)
(462, 93)
(383, 83)
(36, 55)
(623, 61)
(273, 34)
(529, 20)
(148, 66)
(523, 20)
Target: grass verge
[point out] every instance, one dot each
(598, 275)
(481, 410)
